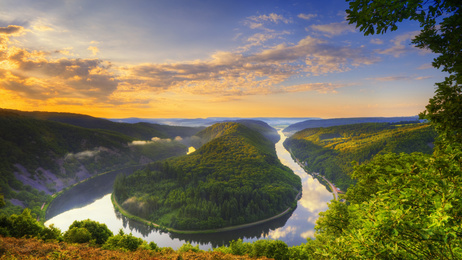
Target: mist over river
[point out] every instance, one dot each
(92, 200)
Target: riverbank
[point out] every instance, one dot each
(58, 194)
(329, 185)
(216, 230)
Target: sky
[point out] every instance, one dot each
(200, 58)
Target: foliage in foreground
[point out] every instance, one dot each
(404, 206)
(90, 239)
(20, 248)
(407, 206)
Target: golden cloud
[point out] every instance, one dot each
(94, 50)
(235, 74)
(34, 75)
(12, 30)
(38, 75)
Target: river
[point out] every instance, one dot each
(92, 200)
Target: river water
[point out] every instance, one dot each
(92, 200)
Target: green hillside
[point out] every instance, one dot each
(315, 123)
(143, 131)
(235, 178)
(40, 157)
(331, 150)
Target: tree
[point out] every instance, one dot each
(99, 232)
(24, 225)
(51, 232)
(77, 235)
(407, 206)
(124, 242)
(441, 30)
(2, 201)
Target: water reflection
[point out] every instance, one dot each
(314, 200)
(93, 200)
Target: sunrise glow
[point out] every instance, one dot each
(160, 59)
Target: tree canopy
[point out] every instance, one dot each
(407, 206)
(441, 30)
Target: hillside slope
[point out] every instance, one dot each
(40, 157)
(330, 151)
(140, 130)
(315, 123)
(234, 178)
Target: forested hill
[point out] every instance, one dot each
(262, 127)
(141, 130)
(39, 157)
(346, 121)
(220, 129)
(233, 179)
(331, 150)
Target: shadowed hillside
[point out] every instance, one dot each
(39, 157)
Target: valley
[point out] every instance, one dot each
(201, 167)
(291, 228)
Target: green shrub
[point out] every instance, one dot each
(123, 242)
(77, 235)
(188, 247)
(99, 232)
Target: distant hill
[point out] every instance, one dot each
(140, 130)
(234, 178)
(314, 123)
(40, 156)
(330, 150)
(263, 128)
(273, 121)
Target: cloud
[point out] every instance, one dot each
(153, 140)
(5, 33)
(11, 30)
(376, 41)
(425, 66)
(272, 18)
(307, 16)
(399, 47)
(423, 77)
(333, 29)
(94, 50)
(258, 22)
(37, 75)
(258, 39)
(86, 154)
(399, 78)
(282, 232)
(42, 28)
(235, 74)
(319, 87)
(309, 233)
(390, 78)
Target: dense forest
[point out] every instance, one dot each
(39, 157)
(406, 206)
(316, 123)
(140, 130)
(234, 178)
(330, 151)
